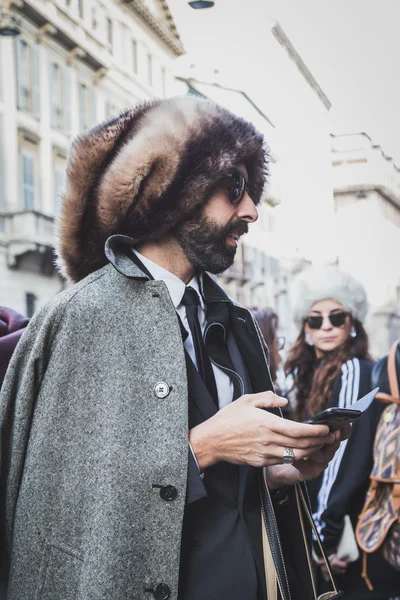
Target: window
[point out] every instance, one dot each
(67, 83)
(27, 71)
(84, 108)
(75, 6)
(94, 18)
(60, 100)
(24, 76)
(150, 69)
(30, 301)
(109, 32)
(111, 109)
(163, 81)
(58, 181)
(28, 160)
(134, 56)
(56, 90)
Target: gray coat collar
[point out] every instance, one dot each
(117, 250)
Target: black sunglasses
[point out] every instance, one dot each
(337, 320)
(237, 187)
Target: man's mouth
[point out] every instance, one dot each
(233, 239)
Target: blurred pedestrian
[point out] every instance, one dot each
(268, 322)
(380, 376)
(331, 366)
(12, 326)
(378, 528)
(136, 459)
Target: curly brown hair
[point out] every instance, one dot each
(313, 378)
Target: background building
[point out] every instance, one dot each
(367, 205)
(74, 63)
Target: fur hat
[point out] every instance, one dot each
(321, 283)
(145, 171)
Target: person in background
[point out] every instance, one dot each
(331, 366)
(380, 375)
(12, 326)
(375, 523)
(268, 322)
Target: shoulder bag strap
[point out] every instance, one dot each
(269, 567)
(303, 508)
(272, 539)
(273, 566)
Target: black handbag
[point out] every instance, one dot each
(274, 563)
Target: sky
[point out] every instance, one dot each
(352, 47)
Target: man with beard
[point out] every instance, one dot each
(132, 431)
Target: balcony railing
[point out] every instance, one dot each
(28, 232)
(27, 226)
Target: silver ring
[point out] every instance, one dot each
(288, 456)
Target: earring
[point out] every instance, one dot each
(309, 340)
(353, 332)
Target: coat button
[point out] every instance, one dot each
(162, 592)
(161, 389)
(168, 493)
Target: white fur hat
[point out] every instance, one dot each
(321, 283)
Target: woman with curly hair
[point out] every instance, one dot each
(331, 366)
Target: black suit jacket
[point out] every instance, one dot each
(221, 553)
(234, 569)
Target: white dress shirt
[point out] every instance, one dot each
(176, 288)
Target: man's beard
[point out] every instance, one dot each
(205, 243)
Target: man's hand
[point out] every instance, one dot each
(309, 467)
(241, 433)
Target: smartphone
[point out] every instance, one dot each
(336, 417)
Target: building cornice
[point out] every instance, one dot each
(283, 39)
(191, 83)
(374, 146)
(168, 34)
(364, 188)
(90, 53)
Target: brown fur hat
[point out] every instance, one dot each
(142, 173)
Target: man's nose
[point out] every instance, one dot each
(247, 210)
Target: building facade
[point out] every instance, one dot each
(73, 64)
(367, 206)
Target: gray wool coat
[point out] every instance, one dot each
(84, 439)
(86, 444)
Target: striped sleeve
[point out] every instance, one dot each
(348, 394)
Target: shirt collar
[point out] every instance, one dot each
(176, 286)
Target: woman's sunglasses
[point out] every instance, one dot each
(337, 320)
(237, 187)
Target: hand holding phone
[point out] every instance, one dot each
(336, 417)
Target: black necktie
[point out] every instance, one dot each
(191, 301)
